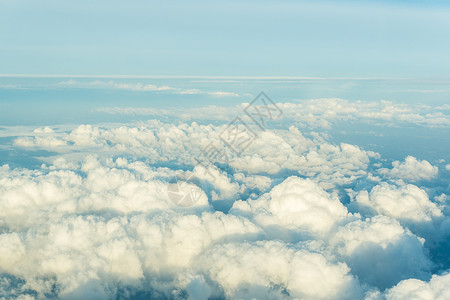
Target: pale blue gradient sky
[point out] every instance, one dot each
(278, 38)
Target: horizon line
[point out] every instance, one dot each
(262, 77)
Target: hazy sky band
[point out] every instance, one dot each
(301, 38)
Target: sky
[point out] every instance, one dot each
(224, 150)
(234, 38)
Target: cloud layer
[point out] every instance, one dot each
(294, 216)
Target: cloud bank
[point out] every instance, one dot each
(294, 216)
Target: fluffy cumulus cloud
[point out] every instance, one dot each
(406, 203)
(78, 253)
(298, 204)
(169, 211)
(287, 271)
(270, 152)
(411, 170)
(32, 196)
(380, 251)
(436, 288)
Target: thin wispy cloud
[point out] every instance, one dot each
(141, 88)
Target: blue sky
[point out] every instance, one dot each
(278, 38)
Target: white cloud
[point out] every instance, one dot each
(270, 153)
(105, 226)
(115, 85)
(298, 204)
(29, 197)
(39, 142)
(223, 94)
(227, 190)
(100, 227)
(435, 289)
(324, 112)
(381, 252)
(97, 84)
(406, 203)
(274, 270)
(411, 170)
(313, 113)
(262, 183)
(76, 251)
